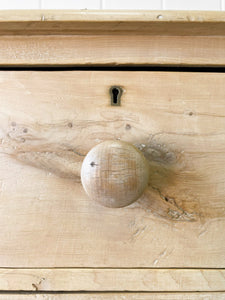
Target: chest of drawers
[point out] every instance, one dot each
(150, 85)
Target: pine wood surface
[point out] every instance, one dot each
(115, 296)
(111, 50)
(85, 21)
(120, 280)
(50, 120)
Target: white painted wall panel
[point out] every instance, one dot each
(20, 4)
(70, 4)
(192, 4)
(131, 4)
(115, 4)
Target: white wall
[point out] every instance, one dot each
(114, 4)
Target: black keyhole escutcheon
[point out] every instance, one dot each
(115, 92)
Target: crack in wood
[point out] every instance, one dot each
(177, 213)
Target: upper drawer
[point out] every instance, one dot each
(48, 123)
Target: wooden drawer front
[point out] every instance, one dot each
(116, 296)
(50, 120)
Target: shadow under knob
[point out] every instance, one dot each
(114, 173)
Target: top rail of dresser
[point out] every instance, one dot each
(45, 22)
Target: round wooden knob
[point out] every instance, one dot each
(114, 173)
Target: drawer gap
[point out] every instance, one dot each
(202, 69)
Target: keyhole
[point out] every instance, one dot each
(115, 92)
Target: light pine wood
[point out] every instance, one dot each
(112, 280)
(50, 38)
(49, 122)
(86, 16)
(53, 238)
(112, 50)
(86, 21)
(116, 296)
(115, 173)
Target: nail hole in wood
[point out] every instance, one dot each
(115, 92)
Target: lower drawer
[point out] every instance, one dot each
(116, 296)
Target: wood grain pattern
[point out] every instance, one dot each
(110, 22)
(112, 280)
(115, 174)
(112, 50)
(116, 296)
(50, 120)
(110, 15)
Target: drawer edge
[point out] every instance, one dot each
(120, 280)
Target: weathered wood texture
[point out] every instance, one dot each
(116, 296)
(50, 120)
(118, 38)
(115, 174)
(110, 22)
(112, 50)
(112, 280)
